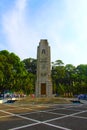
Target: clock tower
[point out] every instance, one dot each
(43, 82)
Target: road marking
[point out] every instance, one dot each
(56, 118)
(5, 116)
(24, 126)
(21, 116)
(70, 115)
(80, 117)
(46, 122)
(63, 128)
(30, 113)
(54, 113)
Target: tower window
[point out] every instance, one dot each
(43, 51)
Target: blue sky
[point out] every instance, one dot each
(63, 22)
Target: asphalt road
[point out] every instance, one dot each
(43, 117)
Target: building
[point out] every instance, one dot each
(43, 82)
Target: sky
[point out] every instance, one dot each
(62, 22)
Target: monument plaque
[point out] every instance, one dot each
(43, 82)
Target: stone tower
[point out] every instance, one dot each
(43, 82)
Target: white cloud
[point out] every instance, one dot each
(78, 14)
(21, 5)
(21, 36)
(62, 23)
(73, 50)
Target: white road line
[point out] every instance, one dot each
(80, 117)
(78, 112)
(21, 116)
(46, 121)
(5, 116)
(30, 113)
(57, 109)
(19, 113)
(7, 112)
(19, 107)
(17, 128)
(74, 109)
(56, 118)
(60, 109)
(63, 128)
(28, 118)
(70, 115)
(54, 113)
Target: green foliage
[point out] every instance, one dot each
(20, 76)
(14, 75)
(30, 65)
(68, 78)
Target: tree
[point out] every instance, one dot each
(58, 73)
(30, 65)
(70, 76)
(17, 75)
(12, 69)
(82, 78)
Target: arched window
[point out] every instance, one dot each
(43, 51)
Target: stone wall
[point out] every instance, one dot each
(43, 82)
